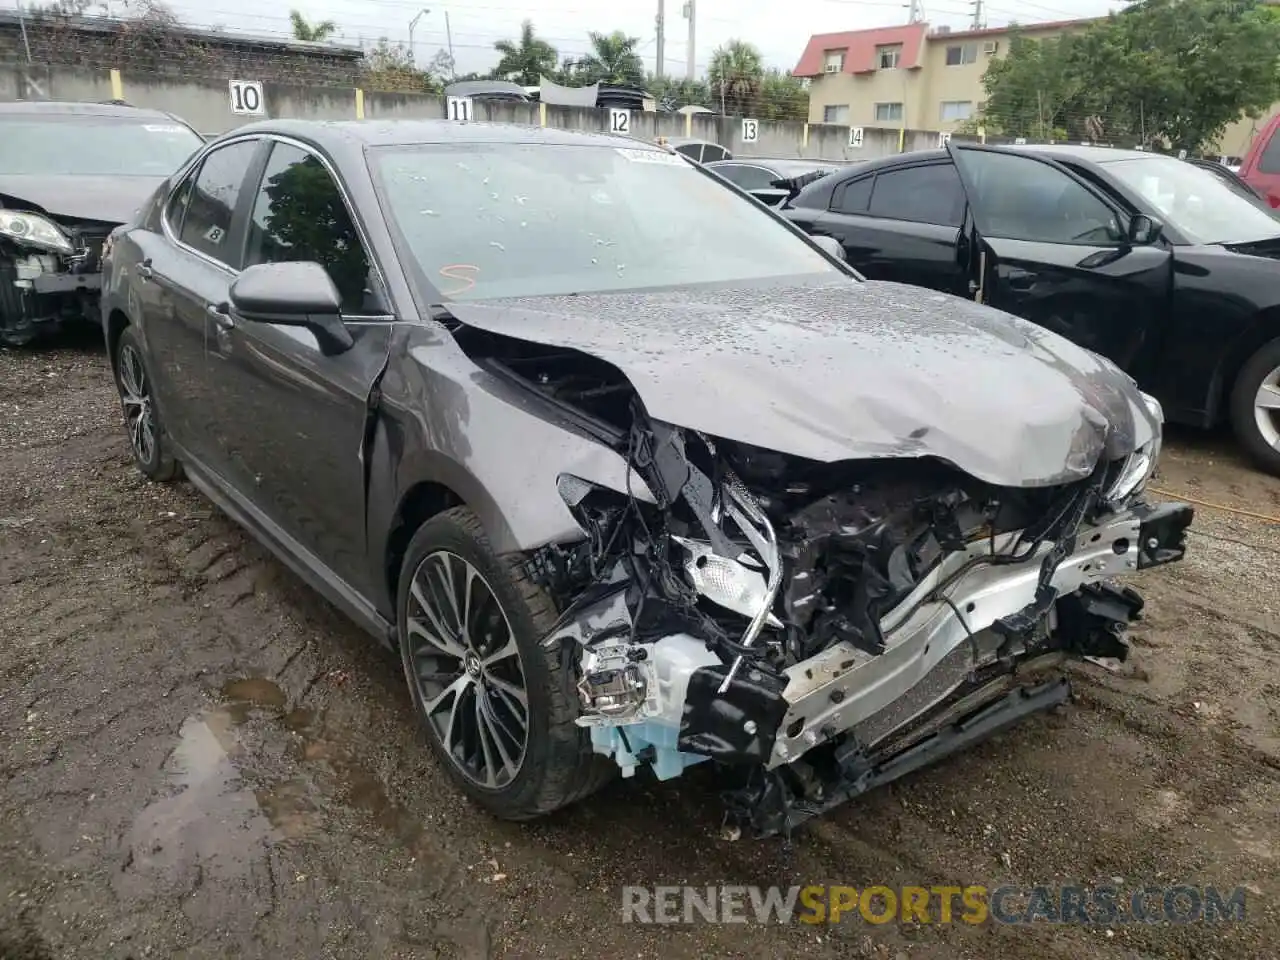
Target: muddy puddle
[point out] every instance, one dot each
(220, 813)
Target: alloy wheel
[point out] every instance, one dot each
(135, 396)
(468, 670)
(1266, 408)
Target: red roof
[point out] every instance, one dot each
(861, 49)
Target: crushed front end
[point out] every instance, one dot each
(50, 272)
(818, 629)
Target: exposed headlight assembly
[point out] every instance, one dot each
(33, 230)
(1141, 464)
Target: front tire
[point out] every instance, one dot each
(1255, 407)
(498, 707)
(147, 439)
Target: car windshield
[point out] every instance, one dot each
(93, 146)
(488, 220)
(1196, 202)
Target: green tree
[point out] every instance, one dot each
(672, 94)
(613, 59)
(1032, 90)
(314, 32)
(782, 97)
(1163, 72)
(527, 60)
(389, 66)
(736, 75)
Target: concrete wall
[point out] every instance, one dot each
(206, 105)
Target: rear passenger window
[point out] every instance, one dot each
(748, 178)
(1269, 162)
(931, 194)
(853, 196)
(207, 224)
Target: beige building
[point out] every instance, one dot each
(922, 78)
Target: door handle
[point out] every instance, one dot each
(1021, 280)
(143, 270)
(221, 315)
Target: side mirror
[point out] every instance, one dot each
(1144, 229)
(295, 294)
(830, 246)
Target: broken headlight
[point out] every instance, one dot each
(1141, 464)
(737, 585)
(34, 231)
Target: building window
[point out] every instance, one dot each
(835, 113)
(834, 60)
(961, 53)
(888, 57)
(956, 110)
(888, 112)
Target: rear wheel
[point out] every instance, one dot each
(1255, 407)
(498, 707)
(142, 422)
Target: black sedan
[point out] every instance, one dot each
(631, 472)
(1146, 259)
(772, 181)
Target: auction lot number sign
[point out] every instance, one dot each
(246, 97)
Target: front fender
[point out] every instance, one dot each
(443, 420)
(1264, 329)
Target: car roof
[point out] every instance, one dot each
(1053, 151)
(790, 167)
(60, 108)
(337, 134)
(1084, 152)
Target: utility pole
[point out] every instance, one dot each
(453, 64)
(662, 36)
(915, 11)
(691, 69)
(979, 21)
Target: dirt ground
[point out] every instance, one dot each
(200, 758)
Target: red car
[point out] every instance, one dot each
(1261, 167)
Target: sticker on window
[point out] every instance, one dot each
(164, 128)
(651, 156)
(215, 234)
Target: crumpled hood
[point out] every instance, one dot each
(837, 370)
(108, 199)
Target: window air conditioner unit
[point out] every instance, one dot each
(989, 47)
(831, 68)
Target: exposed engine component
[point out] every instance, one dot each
(818, 627)
(49, 272)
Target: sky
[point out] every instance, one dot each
(778, 28)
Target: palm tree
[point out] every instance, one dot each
(316, 33)
(613, 59)
(527, 61)
(736, 72)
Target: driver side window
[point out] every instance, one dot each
(1020, 198)
(299, 214)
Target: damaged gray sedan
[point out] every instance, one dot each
(630, 472)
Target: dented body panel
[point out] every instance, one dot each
(841, 370)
